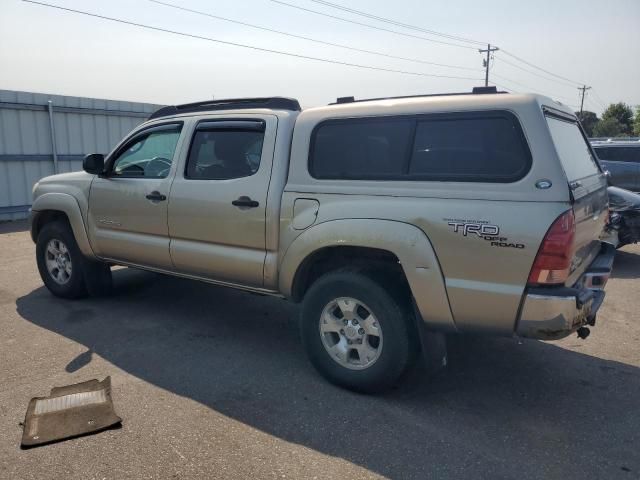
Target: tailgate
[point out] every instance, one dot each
(590, 207)
(588, 186)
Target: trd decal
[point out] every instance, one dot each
(482, 229)
(479, 229)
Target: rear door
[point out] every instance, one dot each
(623, 162)
(588, 188)
(218, 200)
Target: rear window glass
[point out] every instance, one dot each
(486, 146)
(572, 148)
(619, 154)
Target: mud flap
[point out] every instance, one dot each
(97, 278)
(432, 344)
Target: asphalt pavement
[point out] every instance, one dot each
(213, 383)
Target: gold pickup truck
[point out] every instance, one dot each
(394, 221)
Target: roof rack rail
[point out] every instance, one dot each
(475, 91)
(275, 103)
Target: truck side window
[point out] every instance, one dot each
(148, 155)
(469, 149)
(454, 147)
(223, 154)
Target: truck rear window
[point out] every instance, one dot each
(573, 149)
(459, 147)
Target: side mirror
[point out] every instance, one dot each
(93, 163)
(607, 173)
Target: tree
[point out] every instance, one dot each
(608, 127)
(588, 120)
(623, 114)
(636, 122)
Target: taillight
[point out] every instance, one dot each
(553, 262)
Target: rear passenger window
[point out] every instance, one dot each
(225, 150)
(473, 147)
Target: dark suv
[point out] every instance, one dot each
(622, 159)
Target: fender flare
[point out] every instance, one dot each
(67, 204)
(407, 242)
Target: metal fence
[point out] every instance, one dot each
(44, 134)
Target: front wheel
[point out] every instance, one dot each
(355, 332)
(65, 271)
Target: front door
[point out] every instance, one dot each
(128, 205)
(217, 205)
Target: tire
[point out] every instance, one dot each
(65, 271)
(377, 363)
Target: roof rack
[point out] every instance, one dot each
(475, 91)
(275, 103)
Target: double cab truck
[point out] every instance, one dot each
(392, 221)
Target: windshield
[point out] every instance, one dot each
(573, 149)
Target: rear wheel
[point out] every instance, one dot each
(355, 332)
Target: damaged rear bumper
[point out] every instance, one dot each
(551, 313)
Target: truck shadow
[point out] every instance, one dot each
(551, 411)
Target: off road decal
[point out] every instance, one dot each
(481, 229)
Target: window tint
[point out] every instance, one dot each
(224, 154)
(149, 154)
(453, 147)
(361, 149)
(619, 154)
(572, 149)
(476, 149)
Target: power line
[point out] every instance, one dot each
(301, 37)
(368, 25)
(599, 100)
(397, 23)
(540, 68)
(532, 90)
(369, 15)
(503, 60)
(251, 47)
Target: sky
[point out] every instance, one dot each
(585, 41)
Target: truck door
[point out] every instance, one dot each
(128, 204)
(217, 204)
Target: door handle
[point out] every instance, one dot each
(156, 196)
(245, 201)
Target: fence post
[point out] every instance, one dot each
(53, 136)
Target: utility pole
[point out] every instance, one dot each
(489, 51)
(584, 89)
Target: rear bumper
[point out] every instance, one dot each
(551, 313)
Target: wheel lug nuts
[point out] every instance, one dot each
(342, 331)
(345, 321)
(361, 331)
(359, 340)
(349, 342)
(355, 322)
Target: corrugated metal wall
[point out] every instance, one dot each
(81, 126)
